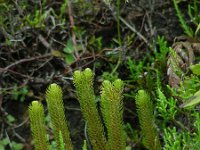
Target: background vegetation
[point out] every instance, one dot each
(150, 45)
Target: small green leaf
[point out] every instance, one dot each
(69, 48)
(17, 146)
(195, 69)
(10, 118)
(2, 147)
(128, 147)
(4, 142)
(197, 30)
(116, 40)
(69, 59)
(194, 100)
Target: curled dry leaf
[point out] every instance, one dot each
(180, 58)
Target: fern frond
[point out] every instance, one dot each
(146, 119)
(83, 82)
(112, 111)
(36, 115)
(56, 111)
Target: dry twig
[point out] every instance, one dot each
(3, 70)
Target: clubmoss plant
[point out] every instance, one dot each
(36, 114)
(112, 110)
(56, 111)
(111, 107)
(83, 82)
(146, 119)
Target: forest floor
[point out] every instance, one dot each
(44, 42)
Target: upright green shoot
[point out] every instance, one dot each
(112, 110)
(36, 114)
(146, 119)
(56, 111)
(83, 82)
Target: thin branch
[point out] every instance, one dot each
(135, 31)
(3, 70)
(71, 19)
